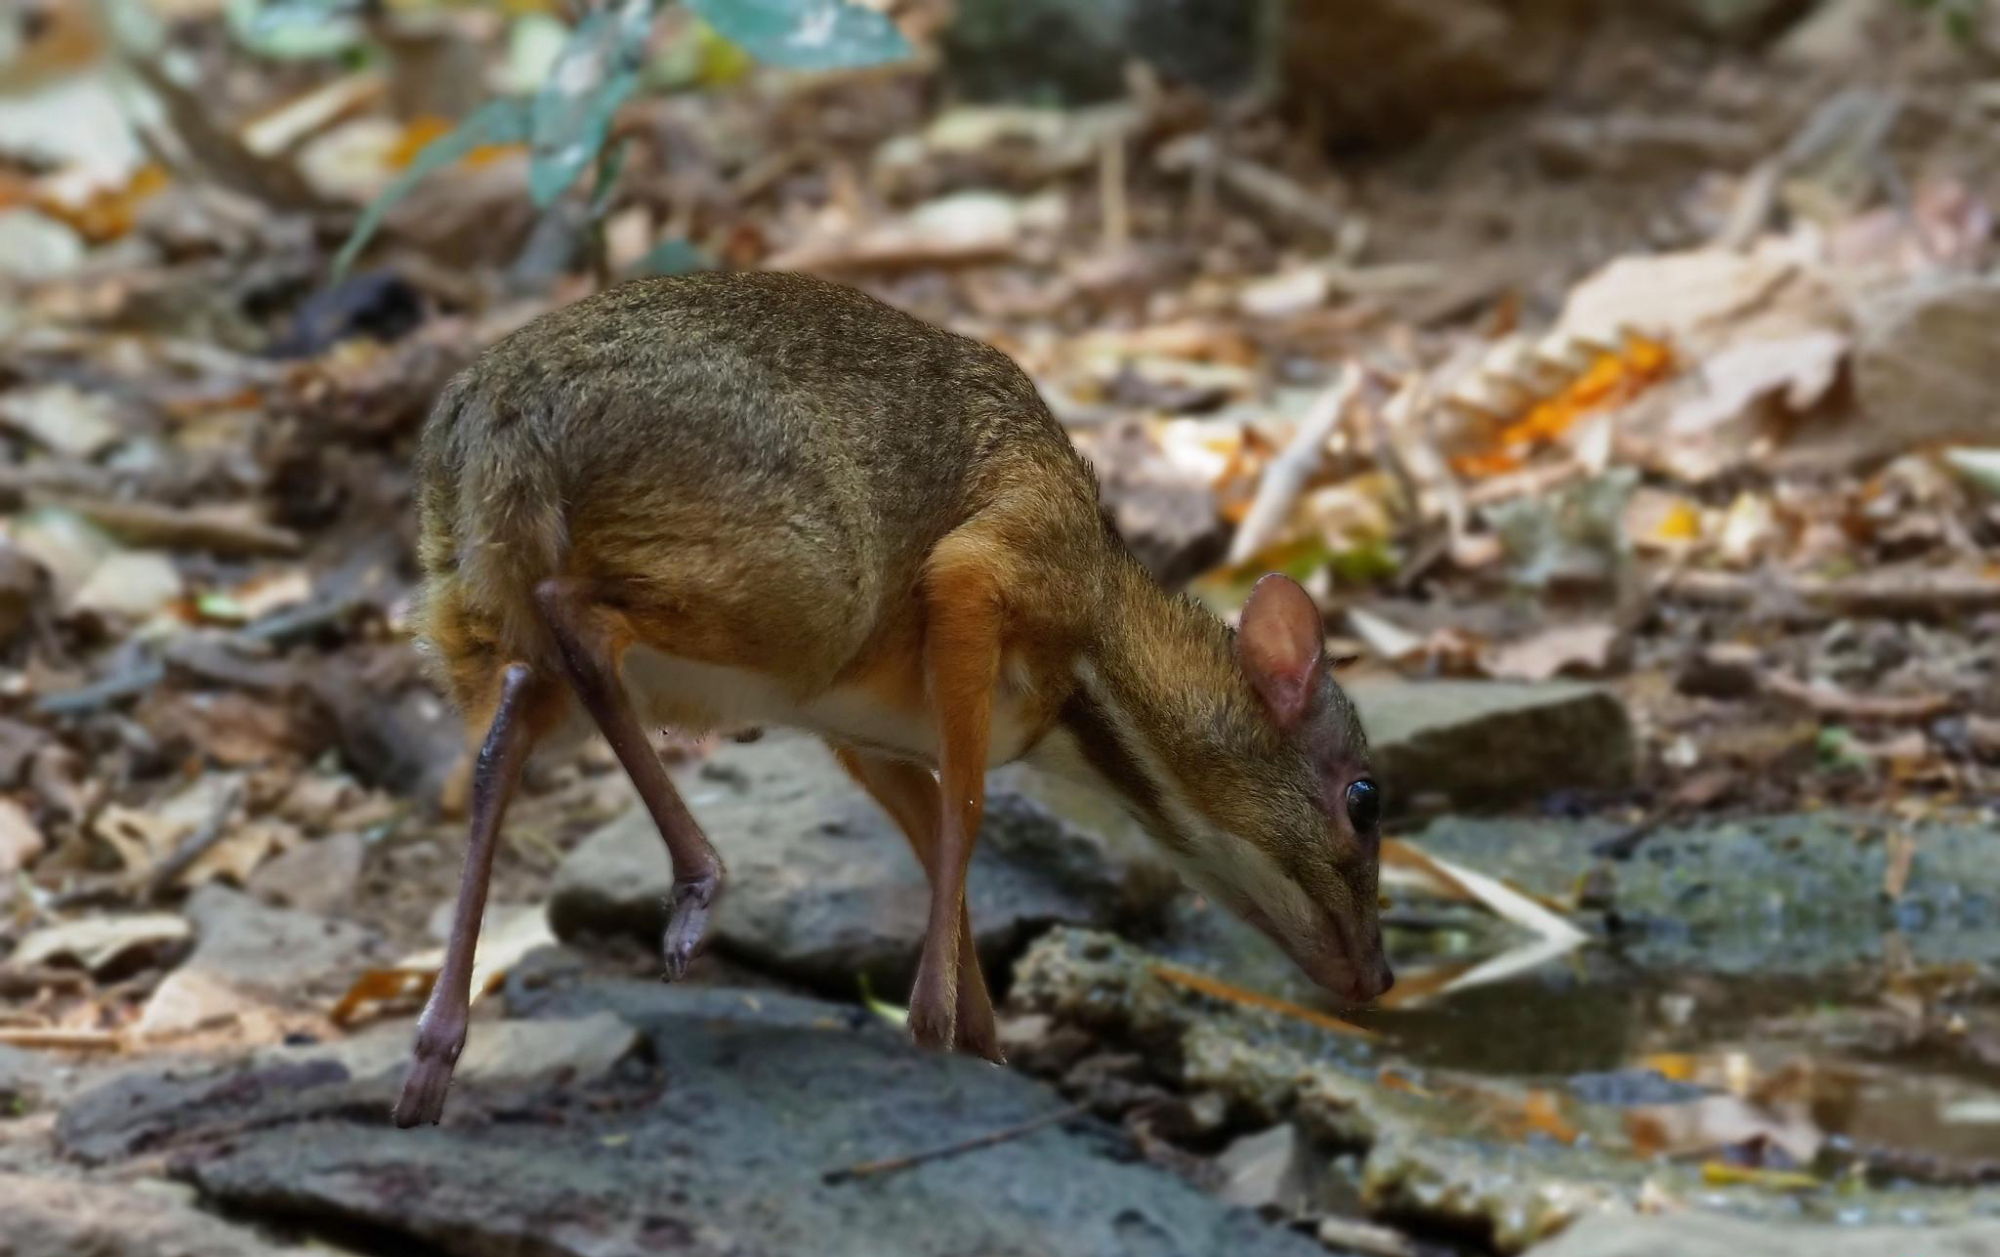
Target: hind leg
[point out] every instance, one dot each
(589, 647)
(910, 796)
(441, 1028)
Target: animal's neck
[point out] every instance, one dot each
(1148, 690)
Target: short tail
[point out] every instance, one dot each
(493, 520)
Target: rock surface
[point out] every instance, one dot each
(1924, 366)
(46, 1217)
(1494, 743)
(153, 1107)
(822, 886)
(1673, 1235)
(248, 958)
(1415, 1155)
(718, 1145)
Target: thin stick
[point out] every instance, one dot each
(1218, 989)
(1289, 473)
(1117, 214)
(197, 843)
(890, 1165)
(57, 1039)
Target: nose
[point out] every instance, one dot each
(1367, 986)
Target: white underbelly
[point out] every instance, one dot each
(668, 690)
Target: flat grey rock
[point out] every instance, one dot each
(713, 1140)
(822, 887)
(1494, 743)
(1924, 366)
(49, 1216)
(149, 1107)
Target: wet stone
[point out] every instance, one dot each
(1672, 1235)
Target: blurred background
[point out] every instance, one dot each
(1623, 380)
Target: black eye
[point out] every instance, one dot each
(1364, 806)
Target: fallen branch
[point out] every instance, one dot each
(219, 530)
(1289, 473)
(196, 845)
(1219, 989)
(1257, 184)
(1824, 700)
(1926, 595)
(54, 1039)
(890, 1165)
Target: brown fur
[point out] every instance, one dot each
(772, 472)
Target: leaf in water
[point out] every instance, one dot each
(806, 34)
(504, 121)
(594, 74)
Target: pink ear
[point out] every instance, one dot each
(1279, 643)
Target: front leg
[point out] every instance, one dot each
(962, 637)
(910, 795)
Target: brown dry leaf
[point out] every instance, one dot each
(1704, 300)
(141, 839)
(508, 935)
(20, 838)
(1796, 371)
(377, 987)
(98, 942)
(968, 226)
(229, 727)
(242, 851)
(1566, 649)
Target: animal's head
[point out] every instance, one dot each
(1242, 757)
(1306, 827)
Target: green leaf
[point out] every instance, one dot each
(296, 29)
(594, 74)
(671, 257)
(888, 1012)
(806, 34)
(503, 121)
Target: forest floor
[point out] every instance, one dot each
(1641, 443)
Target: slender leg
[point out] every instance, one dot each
(589, 659)
(962, 663)
(910, 796)
(441, 1029)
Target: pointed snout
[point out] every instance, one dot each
(1356, 974)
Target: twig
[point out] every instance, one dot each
(58, 1039)
(891, 1165)
(1261, 186)
(1116, 214)
(1839, 704)
(1218, 989)
(280, 627)
(1929, 595)
(196, 844)
(1289, 473)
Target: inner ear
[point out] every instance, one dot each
(1280, 644)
